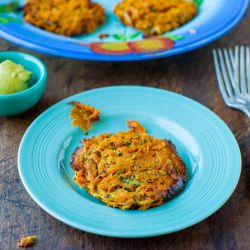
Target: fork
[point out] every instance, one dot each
(233, 75)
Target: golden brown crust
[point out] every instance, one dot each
(129, 169)
(83, 115)
(154, 17)
(65, 17)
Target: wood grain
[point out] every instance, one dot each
(191, 74)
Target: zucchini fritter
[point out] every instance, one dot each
(154, 17)
(65, 17)
(129, 170)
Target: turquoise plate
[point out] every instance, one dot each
(121, 43)
(205, 143)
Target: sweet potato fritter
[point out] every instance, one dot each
(83, 115)
(154, 17)
(129, 170)
(65, 17)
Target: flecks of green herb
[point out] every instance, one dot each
(145, 140)
(136, 184)
(152, 9)
(125, 180)
(107, 195)
(6, 20)
(11, 7)
(128, 143)
(128, 189)
(137, 202)
(130, 181)
(120, 171)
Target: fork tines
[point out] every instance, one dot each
(233, 74)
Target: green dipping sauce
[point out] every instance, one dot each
(13, 77)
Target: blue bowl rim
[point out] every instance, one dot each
(42, 78)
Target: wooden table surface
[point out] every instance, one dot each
(191, 74)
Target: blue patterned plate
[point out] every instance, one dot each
(215, 18)
(204, 142)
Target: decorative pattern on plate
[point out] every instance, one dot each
(204, 142)
(148, 45)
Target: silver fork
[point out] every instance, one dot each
(233, 75)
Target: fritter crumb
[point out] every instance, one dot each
(103, 36)
(83, 115)
(26, 241)
(136, 126)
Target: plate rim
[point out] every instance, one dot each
(101, 57)
(107, 232)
